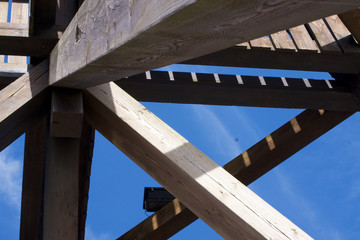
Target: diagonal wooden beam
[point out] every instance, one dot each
(107, 41)
(207, 189)
(255, 91)
(247, 167)
(23, 103)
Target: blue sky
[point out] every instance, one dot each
(318, 188)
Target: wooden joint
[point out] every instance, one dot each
(66, 113)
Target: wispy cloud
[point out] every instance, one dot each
(91, 235)
(219, 134)
(10, 179)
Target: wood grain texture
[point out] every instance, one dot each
(283, 41)
(20, 15)
(66, 113)
(61, 189)
(263, 43)
(302, 39)
(23, 103)
(302, 60)
(101, 48)
(247, 167)
(3, 19)
(325, 40)
(33, 177)
(322, 94)
(214, 195)
(351, 20)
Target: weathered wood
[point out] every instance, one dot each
(27, 46)
(324, 38)
(253, 91)
(283, 41)
(182, 169)
(61, 189)
(33, 176)
(23, 103)
(247, 167)
(302, 39)
(3, 19)
(351, 20)
(98, 47)
(66, 113)
(20, 15)
(263, 43)
(309, 61)
(13, 29)
(86, 154)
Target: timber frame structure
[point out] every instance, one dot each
(91, 59)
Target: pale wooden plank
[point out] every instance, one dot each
(351, 20)
(66, 113)
(283, 42)
(13, 29)
(324, 38)
(3, 19)
(182, 169)
(313, 123)
(19, 15)
(23, 103)
(342, 35)
(33, 176)
(263, 43)
(99, 47)
(302, 39)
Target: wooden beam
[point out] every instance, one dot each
(219, 89)
(66, 113)
(351, 20)
(23, 103)
(100, 48)
(62, 173)
(13, 29)
(247, 167)
(302, 60)
(214, 195)
(27, 46)
(33, 176)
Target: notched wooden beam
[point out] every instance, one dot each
(66, 113)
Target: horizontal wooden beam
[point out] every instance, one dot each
(98, 47)
(208, 190)
(351, 20)
(247, 167)
(238, 56)
(218, 89)
(23, 103)
(13, 29)
(27, 46)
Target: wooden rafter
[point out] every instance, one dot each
(219, 89)
(168, 32)
(247, 167)
(23, 103)
(181, 168)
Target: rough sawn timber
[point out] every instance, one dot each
(23, 103)
(98, 47)
(208, 190)
(247, 167)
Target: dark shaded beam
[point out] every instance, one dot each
(156, 86)
(27, 46)
(307, 61)
(351, 20)
(102, 45)
(23, 103)
(33, 177)
(247, 167)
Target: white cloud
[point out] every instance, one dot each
(223, 140)
(91, 235)
(10, 179)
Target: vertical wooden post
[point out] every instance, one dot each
(32, 188)
(61, 182)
